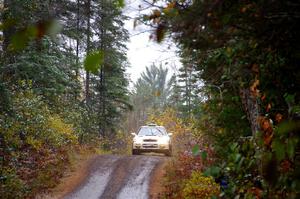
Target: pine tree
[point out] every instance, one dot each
(188, 87)
(53, 63)
(152, 92)
(107, 89)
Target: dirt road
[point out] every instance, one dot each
(119, 177)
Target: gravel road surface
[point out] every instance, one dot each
(118, 177)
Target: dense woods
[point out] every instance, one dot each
(245, 106)
(233, 107)
(49, 103)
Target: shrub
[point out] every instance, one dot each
(35, 125)
(34, 144)
(11, 185)
(200, 186)
(61, 132)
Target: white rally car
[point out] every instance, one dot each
(152, 138)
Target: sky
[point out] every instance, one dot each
(142, 51)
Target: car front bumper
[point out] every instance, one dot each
(150, 146)
(152, 150)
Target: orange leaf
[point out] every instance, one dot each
(253, 88)
(285, 166)
(265, 125)
(171, 5)
(268, 139)
(243, 10)
(268, 108)
(278, 117)
(156, 13)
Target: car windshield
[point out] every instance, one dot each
(152, 131)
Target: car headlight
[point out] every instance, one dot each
(164, 140)
(136, 140)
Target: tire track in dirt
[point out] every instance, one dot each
(94, 185)
(118, 177)
(138, 184)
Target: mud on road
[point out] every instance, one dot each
(118, 177)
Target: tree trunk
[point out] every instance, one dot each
(102, 93)
(77, 48)
(251, 108)
(87, 78)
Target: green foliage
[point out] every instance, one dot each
(35, 125)
(213, 171)
(43, 113)
(93, 61)
(249, 71)
(32, 143)
(196, 150)
(191, 154)
(241, 167)
(120, 3)
(185, 176)
(151, 93)
(106, 93)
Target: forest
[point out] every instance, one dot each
(233, 106)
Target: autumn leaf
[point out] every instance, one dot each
(243, 9)
(21, 38)
(285, 166)
(157, 93)
(170, 10)
(268, 139)
(171, 4)
(257, 192)
(268, 108)
(253, 88)
(278, 117)
(267, 128)
(265, 124)
(156, 13)
(50, 28)
(255, 68)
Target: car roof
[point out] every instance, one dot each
(152, 126)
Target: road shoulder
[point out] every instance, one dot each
(72, 178)
(156, 188)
